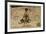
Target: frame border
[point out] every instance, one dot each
(25, 2)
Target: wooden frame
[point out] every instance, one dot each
(6, 15)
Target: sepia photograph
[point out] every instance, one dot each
(24, 17)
